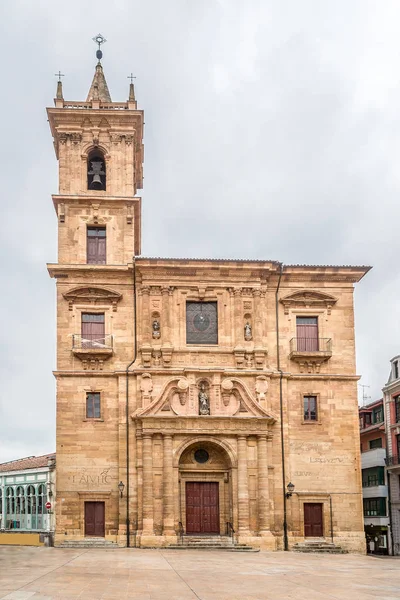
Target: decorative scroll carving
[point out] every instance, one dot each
(146, 387)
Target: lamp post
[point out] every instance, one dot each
(121, 487)
(290, 489)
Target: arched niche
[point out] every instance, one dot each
(96, 170)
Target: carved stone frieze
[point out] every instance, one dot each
(92, 295)
(308, 298)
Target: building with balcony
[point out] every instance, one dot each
(191, 392)
(27, 495)
(391, 397)
(374, 479)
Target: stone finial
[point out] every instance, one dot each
(131, 92)
(59, 93)
(99, 82)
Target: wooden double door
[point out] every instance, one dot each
(202, 507)
(313, 519)
(94, 519)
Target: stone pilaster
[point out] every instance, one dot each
(148, 517)
(243, 487)
(168, 491)
(258, 318)
(166, 319)
(238, 317)
(146, 333)
(263, 491)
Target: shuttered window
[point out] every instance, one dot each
(93, 405)
(96, 245)
(307, 334)
(93, 330)
(310, 408)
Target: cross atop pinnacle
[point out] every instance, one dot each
(99, 39)
(99, 89)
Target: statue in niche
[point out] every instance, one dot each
(247, 332)
(156, 328)
(204, 405)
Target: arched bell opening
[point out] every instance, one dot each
(205, 489)
(96, 170)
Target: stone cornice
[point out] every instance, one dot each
(63, 271)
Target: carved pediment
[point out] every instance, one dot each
(179, 397)
(92, 295)
(308, 298)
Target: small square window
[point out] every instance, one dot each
(310, 408)
(93, 405)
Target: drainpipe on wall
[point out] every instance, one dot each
(127, 404)
(278, 368)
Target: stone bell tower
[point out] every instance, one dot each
(98, 145)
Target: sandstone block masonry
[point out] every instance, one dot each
(225, 357)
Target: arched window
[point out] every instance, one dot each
(10, 501)
(41, 498)
(30, 500)
(96, 170)
(20, 501)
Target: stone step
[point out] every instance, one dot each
(318, 547)
(234, 548)
(87, 543)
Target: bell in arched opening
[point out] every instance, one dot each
(96, 171)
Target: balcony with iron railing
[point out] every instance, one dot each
(392, 461)
(92, 346)
(319, 349)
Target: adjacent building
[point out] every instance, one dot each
(374, 479)
(391, 397)
(191, 392)
(27, 494)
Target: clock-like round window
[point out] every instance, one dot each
(201, 456)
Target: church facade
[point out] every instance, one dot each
(191, 392)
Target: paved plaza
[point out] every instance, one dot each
(50, 573)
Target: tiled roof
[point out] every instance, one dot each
(30, 462)
(253, 260)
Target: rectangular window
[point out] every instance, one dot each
(201, 323)
(397, 407)
(378, 414)
(396, 369)
(374, 507)
(373, 476)
(93, 330)
(307, 334)
(310, 408)
(398, 444)
(96, 245)
(377, 443)
(367, 418)
(93, 405)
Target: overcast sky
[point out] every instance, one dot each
(272, 131)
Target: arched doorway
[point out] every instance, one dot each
(205, 485)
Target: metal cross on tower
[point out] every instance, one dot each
(59, 75)
(131, 77)
(99, 40)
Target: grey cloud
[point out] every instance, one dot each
(272, 131)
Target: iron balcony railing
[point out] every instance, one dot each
(92, 341)
(301, 344)
(392, 461)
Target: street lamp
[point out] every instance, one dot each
(48, 489)
(121, 488)
(290, 489)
